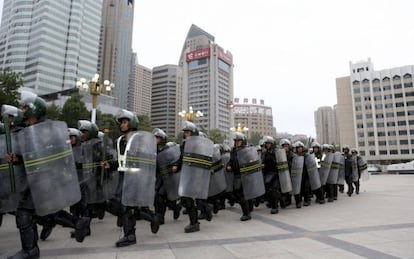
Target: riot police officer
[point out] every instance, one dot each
(270, 175)
(348, 169)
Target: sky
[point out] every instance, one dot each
(288, 52)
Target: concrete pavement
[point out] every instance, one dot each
(377, 223)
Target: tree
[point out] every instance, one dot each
(74, 110)
(53, 112)
(254, 138)
(9, 83)
(144, 123)
(216, 136)
(107, 121)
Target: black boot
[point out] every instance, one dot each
(128, 223)
(298, 200)
(335, 192)
(194, 225)
(82, 228)
(48, 222)
(330, 192)
(341, 188)
(177, 210)
(356, 187)
(246, 210)
(1, 218)
(28, 236)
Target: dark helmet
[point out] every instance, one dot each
(299, 144)
(345, 147)
(2, 129)
(92, 128)
(284, 141)
(13, 111)
(315, 144)
(240, 136)
(130, 116)
(189, 126)
(160, 133)
(75, 132)
(35, 106)
(268, 139)
(354, 151)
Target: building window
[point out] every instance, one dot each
(370, 125)
(358, 108)
(402, 132)
(371, 143)
(381, 134)
(409, 94)
(357, 99)
(393, 152)
(366, 89)
(402, 123)
(397, 86)
(383, 152)
(370, 133)
(411, 122)
(378, 106)
(368, 107)
(360, 134)
(386, 88)
(392, 142)
(392, 133)
(380, 124)
(389, 114)
(408, 85)
(361, 144)
(405, 151)
(404, 142)
(360, 126)
(368, 115)
(411, 103)
(399, 104)
(372, 152)
(407, 76)
(412, 132)
(359, 116)
(382, 143)
(390, 123)
(400, 114)
(379, 116)
(376, 89)
(357, 90)
(362, 153)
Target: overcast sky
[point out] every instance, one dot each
(287, 53)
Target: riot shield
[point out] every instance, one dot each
(325, 167)
(9, 199)
(91, 151)
(139, 177)
(195, 172)
(333, 173)
(229, 176)
(251, 173)
(363, 168)
(341, 172)
(355, 175)
(311, 167)
(217, 178)
(165, 160)
(296, 173)
(50, 166)
(283, 170)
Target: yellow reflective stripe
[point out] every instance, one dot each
(282, 166)
(48, 159)
(335, 165)
(250, 168)
(4, 166)
(141, 160)
(197, 161)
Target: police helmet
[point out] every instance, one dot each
(130, 116)
(345, 147)
(189, 126)
(240, 136)
(284, 141)
(299, 144)
(75, 132)
(315, 144)
(161, 134)
(13, 111)
(92, 128)
(268, 139)
(33, 105)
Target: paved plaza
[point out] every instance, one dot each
(377, 223)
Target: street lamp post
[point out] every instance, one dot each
(240, 129)
(190, 115)
(95, 88)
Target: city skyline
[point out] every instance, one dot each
(296, 49)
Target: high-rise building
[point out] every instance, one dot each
(256, 116)
(325, 124)
(139, 92)
(207, 80)
(382, 107)
(166, 98)
(116, 46)
(52, 43)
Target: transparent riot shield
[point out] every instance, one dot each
(325, 167)
(333, 173)
(9, 199)
(195, 172)
(341, 171)
(363, 168)
(50, 166)
(355, 175)
(296, 173)
(165, 159)
(139, 177)
(311, 167)
(283, 171)
(229, 176)
(217, 179)
(251, 173)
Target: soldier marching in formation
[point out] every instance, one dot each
(47, 167)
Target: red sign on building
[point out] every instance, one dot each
(225, 57)
(198, 54)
